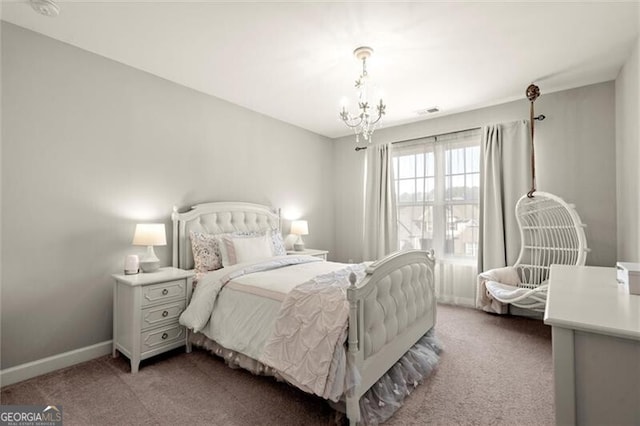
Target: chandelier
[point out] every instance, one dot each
(363, 122)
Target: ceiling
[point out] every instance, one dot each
(293, 60)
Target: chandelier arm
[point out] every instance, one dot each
(352, 125)
(376, 120)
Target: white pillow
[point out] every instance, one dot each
(223, 245)
(247, 249)
(227, 249)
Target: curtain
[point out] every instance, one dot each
(505, 177)
(380, 233)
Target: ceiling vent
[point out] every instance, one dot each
(428, 111)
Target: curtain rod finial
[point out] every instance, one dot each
(532, 92)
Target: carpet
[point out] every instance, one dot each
(495, 370)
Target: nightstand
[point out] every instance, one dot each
(322, 254)
(146, 308)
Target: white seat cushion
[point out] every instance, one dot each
(505, 293)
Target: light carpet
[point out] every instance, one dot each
(494, 370)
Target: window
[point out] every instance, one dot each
(438, 190)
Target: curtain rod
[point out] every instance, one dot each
(360, 148)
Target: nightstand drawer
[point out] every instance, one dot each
(157, 338)
(161, 292)
(162, 314)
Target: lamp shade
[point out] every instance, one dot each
(150, 234)
(299, 227)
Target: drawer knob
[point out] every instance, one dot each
(165, 313)
(165, 292)
(164, 336)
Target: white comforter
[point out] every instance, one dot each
(197, 314)
(304, 338)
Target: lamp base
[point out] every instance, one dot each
(149, 262)
(151, 266)
(289, 241)
(299, 244)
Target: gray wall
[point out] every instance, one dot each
(628, 158)
(90, 147)
(575, 159)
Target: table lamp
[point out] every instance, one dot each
(299, 228)
(150, 234)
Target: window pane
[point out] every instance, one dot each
(407, 166)
(430, 169)
(419, 189)
(472, 159)
(426, 223)
(415, 227)
(473, 187)
(420, 165)
(454, 187)
(457, 160)
(461, 229)
(407, 190)
(430, 189)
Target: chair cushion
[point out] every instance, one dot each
(505, 293)
(506, 275)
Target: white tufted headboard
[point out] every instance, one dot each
(217, 218)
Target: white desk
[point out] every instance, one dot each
(596, 347)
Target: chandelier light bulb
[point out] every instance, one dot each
(369, 113)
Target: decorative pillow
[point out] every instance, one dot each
(206, 252)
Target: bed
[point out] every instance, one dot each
(389, 306)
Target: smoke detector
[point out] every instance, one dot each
(45, 7)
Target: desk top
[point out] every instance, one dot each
(589, 298)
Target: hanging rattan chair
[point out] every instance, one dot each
(551, 233)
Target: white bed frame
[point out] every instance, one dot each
(390, 310)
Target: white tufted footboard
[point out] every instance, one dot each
(390, 310)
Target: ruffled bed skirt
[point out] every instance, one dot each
(386, 396)
(232, 358)
(382, 400)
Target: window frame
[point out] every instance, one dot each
(441, 200)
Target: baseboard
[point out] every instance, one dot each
(455, 300)
(31, 369)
